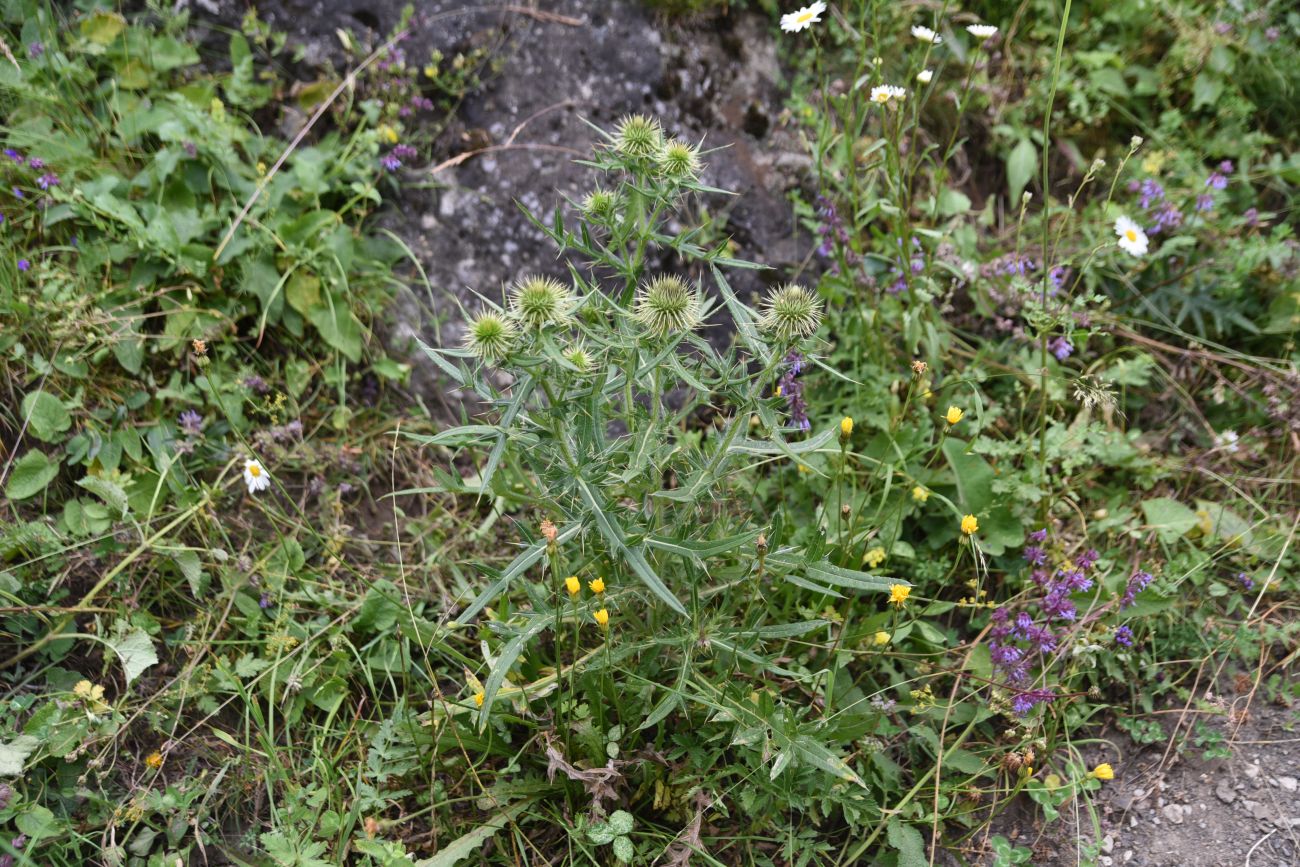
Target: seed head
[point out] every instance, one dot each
(678, 160)
(540, 301)
(791, 312)
(668, 305)
(638, 136)
(579, 357)
(490, 336)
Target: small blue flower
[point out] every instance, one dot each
(24, 265)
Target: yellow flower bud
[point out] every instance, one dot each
(602, 617)
(846, 427)
(479, 698)
(573, 585)
(920, 494)
(874, 557)
(1103, 772)
(881, 638)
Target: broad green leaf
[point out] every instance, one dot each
(136, 651)
(45, 416)
(14, 754)
(1170, 519)
(30, 475)
(102, 27)
(909, 843)
(1022, 163)
(506, 659)
(464, 847)
(110, 492)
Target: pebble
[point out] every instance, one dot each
(1127, 856)
(1108, 843)
(1174, 813)
(1251, 771)
(1288, 784)
(1224, 792)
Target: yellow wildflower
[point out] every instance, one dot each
(573, 585)
(898, 594)
(153, 760)
(954, 414)
(920, 494)
(479, 698)
(602, 617)
(874, 557)
(387, 133)
(969, 524)
(846, 427)
(881, 638)
(597, 586)
(1103, 772)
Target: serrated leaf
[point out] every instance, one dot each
(45, 416)
(136, 651)
(30, 475)
(113, 495)
(14, 754)
(909, 843)
(463, 847)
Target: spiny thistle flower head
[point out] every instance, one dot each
(540, 301)
(668, 305)
(792, 312)
(601, 204)
(490, 336)
(579, 357)
(638, 136)
(678, 160)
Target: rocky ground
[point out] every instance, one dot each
(1170, 807)
(558, 67)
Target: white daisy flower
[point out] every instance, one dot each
(804, 18)
(925, 34)
(981, 31)
(1228, 441)
(925, 76)
(1131, 237)
(255, 476)
(887, 94)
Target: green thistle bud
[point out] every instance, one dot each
(579, 357)
(791, 312)
(668, 305)
(540, 301)
(600, 204)
(490, 336)
(638, 136)
(678, 160)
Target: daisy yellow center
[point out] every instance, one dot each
(1131, 235)
(254, 470)
(882, 97)
(804, 17)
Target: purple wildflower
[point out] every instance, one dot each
(19, 193)
(1217, 180)
(1058, 276)
(35, 50)
(1124, 636)
(265, 601)
(1152, 192)
(256, 384)
(191, 150)
(47, 180)
(1167, 217)
(791, 388)
(191, 422)
(1029, 699)
(1245, 580)
(1223, 28)
(1227, 167)
(1136, 585)
(1034, 554)
(1087, 559)
(1251, 216)
(1272, 34)
(1074, 580)
(405, 152)
(1038, 535)
(14, 155)
(1061, 348)
(24, 265)
(390, 163)
(1205, 202)
(1056, 604)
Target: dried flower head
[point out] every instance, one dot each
(791, 312)
(668, 305)
(549, 531)
(490, 336)
(540, 301)
(638, 136)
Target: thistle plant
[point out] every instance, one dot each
(596, 438)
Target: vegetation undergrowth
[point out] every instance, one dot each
(835, 575)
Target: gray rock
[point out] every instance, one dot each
(1288, 784)
(1174, 813)
(1224, 792)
